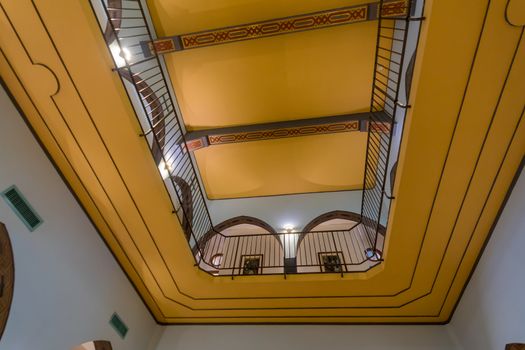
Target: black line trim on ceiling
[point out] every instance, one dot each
(159, 252)
(57, 52)
(278, 297)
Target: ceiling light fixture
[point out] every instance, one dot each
(289, 228)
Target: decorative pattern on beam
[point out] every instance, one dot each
(287, 25)
(394, 8)
(193, 144)
(284, 132)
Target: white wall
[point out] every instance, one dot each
(296, 209)
(492, 310)
(305, 338)
(67, 284)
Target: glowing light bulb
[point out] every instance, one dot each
(164, 169)
(289, 240)
(289, 228)
(126, 53)
(117, 54)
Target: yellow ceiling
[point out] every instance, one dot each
(309, 74)
(188, 16)
(332, 162)
(463, 142)
(288, 77)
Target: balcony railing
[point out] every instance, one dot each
(385, 106)
(126, 30)
(338, 251)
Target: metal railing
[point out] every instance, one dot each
(339, 251)
(389, 67)
(126, 31)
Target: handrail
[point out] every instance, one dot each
(128, 28)
(127, 31)
(392, 34)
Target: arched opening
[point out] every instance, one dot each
(515, 346)
(242, 245)
(7, 277)
(332, 242)
(94, 345)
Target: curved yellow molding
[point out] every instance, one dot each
(515, 12)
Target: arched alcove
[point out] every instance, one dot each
(242, 245)
(7, 277)
(329, 243)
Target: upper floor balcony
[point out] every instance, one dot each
(279, 155)
(339, 241)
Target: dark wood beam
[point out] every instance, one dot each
(191, 135)
(268, 131)
(276, 26)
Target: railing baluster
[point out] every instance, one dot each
(166, 140)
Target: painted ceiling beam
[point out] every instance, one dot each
(275, 130)
(272, 27)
